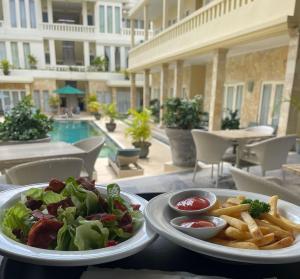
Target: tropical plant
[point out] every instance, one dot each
(91, 98)
(32, 60)
(139, 128)
(100, 63)
(155, 109)
(110, 111)
(125, 73)
(25, 123)
(93, 107)
(231, 122)
(5, 67)
(182, 113)
(54, 101)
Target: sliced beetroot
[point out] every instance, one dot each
(43, 233)
(103, 217)
(20, 235)
(33, 204)
(128, 228)
(111, 243)
(119, 205)
(55, 185)
(86, 183)
(53, 207)
(40, 215)
(125, 220)
(135, 206)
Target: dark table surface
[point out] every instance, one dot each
(160, 255)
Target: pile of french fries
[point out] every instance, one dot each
(270, 231)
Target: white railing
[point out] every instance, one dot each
(61, 27)
(198, 29)
(138, 32)
(67, 68)
(1, 23)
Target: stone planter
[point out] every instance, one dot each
(10, 142)
(97, 116)
(144, 146)
(182, 147)
(111, 126)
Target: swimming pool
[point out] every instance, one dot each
(74, 130)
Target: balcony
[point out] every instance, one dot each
(220, 24)
(59, 27)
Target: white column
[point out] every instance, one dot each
(113, 19)
(112, 59)
(146, 22)
(123, 57)
(146, 89)
(132, 33)
(52, 52)
(50, 11)
(21, 55)
(27, 13)
(6, 16)
(39, 12)
(179, 10)
(8, 51)
(164, 81)
(178, 76)
(96, 17)
(165, 14)
(84, 13)
(132, 91)
(86, 53)
(17, 14)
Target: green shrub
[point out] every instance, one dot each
(54, 101)
(110, 111)
(183, 113)
(231, 122)
(100, 63)
(139, 128)
(23, 123)
(155, 109)
(5, 67)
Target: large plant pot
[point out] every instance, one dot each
(10, 142)
(97, 116)
(144, 146)
(182, 147)
(111, 126)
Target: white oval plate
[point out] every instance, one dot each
(158, 214)
(12, 249)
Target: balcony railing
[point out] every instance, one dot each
(216, 22)
(67, 27)
(138, 32)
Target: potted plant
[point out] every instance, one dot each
(180, 117)
(32, 61)
(140, 131)
(155, 109)
(126, 74)
(110, 111)
(25, 125)
(54, 103)
(5, 67)
(99, 63)
(93, 106)
(231, 122)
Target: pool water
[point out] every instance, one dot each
(75, 130)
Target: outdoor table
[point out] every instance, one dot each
(12, 155)
(240, 138)
(292, 168)
(160, 255)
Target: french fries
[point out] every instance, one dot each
(267, 232)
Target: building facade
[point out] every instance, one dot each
(237, 54)
(65, 38)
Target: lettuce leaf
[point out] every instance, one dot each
(91, 235)
(16, 217)
(85, 201)
(35, 193)
(47, 197)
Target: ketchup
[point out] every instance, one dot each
(197, 223)
(193, 203)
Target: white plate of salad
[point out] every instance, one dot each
(72, 223)
(240, 240)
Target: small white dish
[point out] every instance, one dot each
(185, 194)
(203, 232)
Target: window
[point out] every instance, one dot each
(104, 97)
(171, 93)
(90, 20)
(270, 104)
(2, 51)
(47, 58)
(22, 13)
(26, 49)
(123, 101)
(155, 93)
(126, 56)
(7, 102)
(233, 99)
(15, 98)
(45, 16)
(12, 10)
(117, 59)
(22, 95)
(46, 101)
(37, 99)
(109, 19)
(15, 54)
(107, 58)
(32, 14)
(102, 18)
(117, 20)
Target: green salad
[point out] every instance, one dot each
(71, 216)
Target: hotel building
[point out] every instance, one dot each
(237, 54)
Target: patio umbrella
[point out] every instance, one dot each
(68, 90)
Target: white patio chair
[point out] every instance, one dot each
(270, 154)
(261, 129)
(251, 183)
(210, 149)
(44, 170)
(92, 147)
